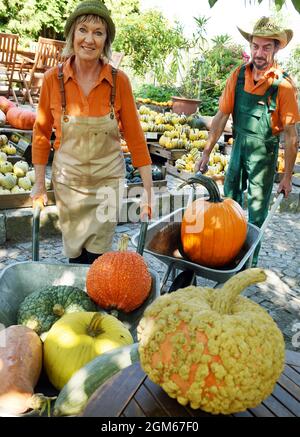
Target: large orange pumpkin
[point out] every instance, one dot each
(213, 230)
(119, 279)
(21, 118)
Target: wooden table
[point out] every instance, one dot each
(130, 393)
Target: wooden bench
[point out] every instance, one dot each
(130, 393)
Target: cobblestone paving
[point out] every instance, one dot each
(280, 255)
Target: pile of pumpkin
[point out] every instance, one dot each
(16, 178)
(153, 121)
(184, 137)
(15, 116)
(62, 328)
(218, 163)
(7, 147)
(210, 348)
(147, 101)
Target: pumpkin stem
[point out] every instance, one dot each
(123, 243)
(58, 310)
(95, 327)
(40, 402)
(227, 295)
(208, 183)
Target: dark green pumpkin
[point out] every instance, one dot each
(42, 308)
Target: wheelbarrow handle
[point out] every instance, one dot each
(37, 205)
(145, 217)
(142, 238)
(270, 214)
(265, 225)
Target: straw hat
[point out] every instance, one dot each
(265, 27)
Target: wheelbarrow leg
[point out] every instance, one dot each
(184, 279)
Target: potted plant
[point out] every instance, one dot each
(189, 99)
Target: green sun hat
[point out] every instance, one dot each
(91, 7)
(265, 27)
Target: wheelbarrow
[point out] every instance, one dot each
(20, 279)
(176, 261)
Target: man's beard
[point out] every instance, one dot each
(260, 66)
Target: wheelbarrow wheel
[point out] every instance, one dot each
(184, 279)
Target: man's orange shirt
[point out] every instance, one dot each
(286, 111)
(96, 104)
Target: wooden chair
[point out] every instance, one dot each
(8, 54)
(48, 54)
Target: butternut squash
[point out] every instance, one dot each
(21, 118)
(6, 104)
(20, 368)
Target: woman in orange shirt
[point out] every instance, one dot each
(85, 101)
(263, 102)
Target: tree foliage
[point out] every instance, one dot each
(293, 65)
(278, 3)
(33, 18)
(148, 40)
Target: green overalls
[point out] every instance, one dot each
(254, 153)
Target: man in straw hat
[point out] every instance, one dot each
(263, 102)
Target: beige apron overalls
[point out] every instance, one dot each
(88, 178)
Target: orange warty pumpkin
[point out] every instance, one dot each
(213, 230)
(21, 118)
(119, 279)
(6, 104)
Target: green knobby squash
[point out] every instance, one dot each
(42, 308)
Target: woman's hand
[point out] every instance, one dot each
(39, 193)
(148, 198)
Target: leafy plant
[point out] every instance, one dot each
(161, 93)
(206, 77)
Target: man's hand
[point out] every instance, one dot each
(285, 186)
(217, 127)
(201, 165)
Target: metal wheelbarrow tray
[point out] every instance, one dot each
(19, 280)
(243, 259)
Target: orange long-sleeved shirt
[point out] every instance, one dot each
(286, 111)
(96, 104)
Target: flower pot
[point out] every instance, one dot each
(183, 105)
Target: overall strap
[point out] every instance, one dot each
(62, 87)
(113, 91)
(241, 78)
(273, 90)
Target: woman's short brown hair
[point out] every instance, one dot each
(69, 48)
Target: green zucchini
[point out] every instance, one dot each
(75, 394)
